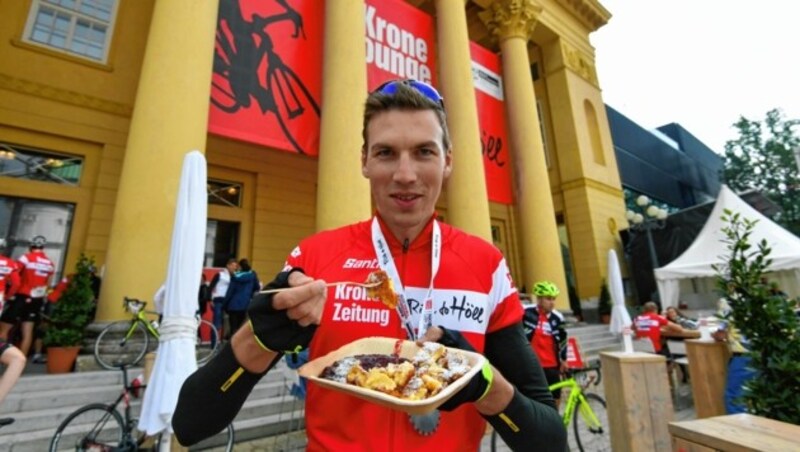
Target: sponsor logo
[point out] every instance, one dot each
(295, 252)
(394, 49)
(360, 263)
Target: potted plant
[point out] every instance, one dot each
(604, 304)
(71, 314)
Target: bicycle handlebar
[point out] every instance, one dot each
(595, 368)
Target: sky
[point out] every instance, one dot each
(700, 63)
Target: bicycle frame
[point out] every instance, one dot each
(575, 397)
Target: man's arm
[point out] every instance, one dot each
(277, 322)
(530, 419)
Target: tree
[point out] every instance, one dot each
(762, 159)
(766, 317)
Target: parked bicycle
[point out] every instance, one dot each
(586, 411)
(101, 427)
(241, 47)
(127, 341)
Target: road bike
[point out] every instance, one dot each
(101, 427)
(586, 411)
(127, 341)
(241, 47)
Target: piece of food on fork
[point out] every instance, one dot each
(384, 290)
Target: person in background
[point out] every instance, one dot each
(219, 288)
(648, 325)
(675, 316)
(203, 295)
(544, 328)
(14, 360)
(406, 156)
(244, 283)
(9, 279)
(35, 271)
(739, 371)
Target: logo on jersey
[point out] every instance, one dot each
(361, 263)
(295, 252)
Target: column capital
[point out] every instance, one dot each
(511, 18)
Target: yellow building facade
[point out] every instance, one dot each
(136, 101)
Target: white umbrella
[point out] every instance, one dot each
(175, 359)
(619, 314)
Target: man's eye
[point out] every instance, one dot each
(427, 151)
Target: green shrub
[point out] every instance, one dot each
(766, 318)
(72, 313)
(604, 302)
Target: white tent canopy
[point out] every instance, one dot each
(708, 249)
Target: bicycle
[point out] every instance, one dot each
(586, 411)
(239, 49)
(101, 427)
(127, 341)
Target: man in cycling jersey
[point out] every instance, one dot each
(35, 271)
(456, 286)
(544, 328)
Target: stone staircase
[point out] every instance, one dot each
(39, 403)
(594, 339)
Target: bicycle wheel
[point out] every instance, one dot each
(207, 342)
(296, 110)
(591, 437)
(93, 427)
(121, 343)
(495, 439)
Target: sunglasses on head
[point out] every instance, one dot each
(423, 88)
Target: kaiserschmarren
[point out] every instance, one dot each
(432, 369)
(384, 291)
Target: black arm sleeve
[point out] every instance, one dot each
(212, 396)
(531, 418)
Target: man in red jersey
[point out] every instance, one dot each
(9, 280)
(455, 287)
(649, 323)
(544, 328)
(35, 271)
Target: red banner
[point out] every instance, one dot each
(400, 42)
(267, 79)
(486, 76)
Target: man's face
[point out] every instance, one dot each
(547, 303)
(232, 267)
(406, 167)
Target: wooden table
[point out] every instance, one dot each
(708, 370)
(685, 334)
(736, 432)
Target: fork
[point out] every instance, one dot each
(339, 283)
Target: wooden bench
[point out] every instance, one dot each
(735, 432)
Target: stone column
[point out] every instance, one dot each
(512, 23)
(169, 119)
(342, 192)
(467, 198)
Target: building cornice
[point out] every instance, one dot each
(65, 96)
(589, 12)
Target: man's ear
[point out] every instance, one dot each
(448, 162)
(364, 170)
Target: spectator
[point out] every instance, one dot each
(219, 288)
(675, 316)
(203, 295)
(406, 156)
(244, 283)
(544, 328)
(739, 371)
(35, 271)
(9, 280)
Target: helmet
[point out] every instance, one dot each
(545, 289)
(38, 242)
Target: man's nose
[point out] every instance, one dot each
(406, 169)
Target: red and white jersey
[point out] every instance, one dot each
(473, 293)
(35, 272)
(8, 277)
(649, 325)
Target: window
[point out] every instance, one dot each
(224, 193)
(76, 27)
(222, 241)
(34, 164)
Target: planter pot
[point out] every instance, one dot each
(61, 359)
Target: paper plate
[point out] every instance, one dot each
(385, 345)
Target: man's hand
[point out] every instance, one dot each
(563, 368)
(480, 384)
(286, 321)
